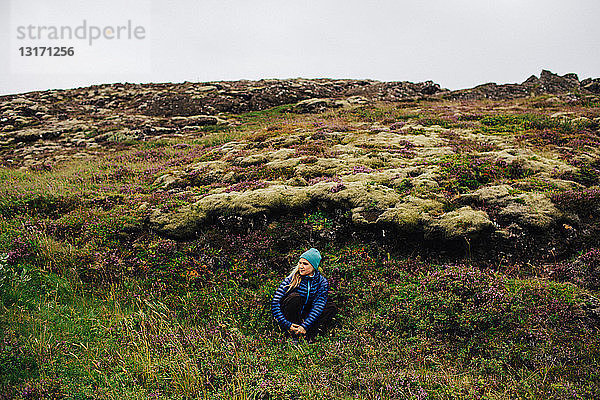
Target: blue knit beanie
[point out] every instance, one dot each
(313, 257)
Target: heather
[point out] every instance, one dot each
(459, 235)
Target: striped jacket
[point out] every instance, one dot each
(314, 289)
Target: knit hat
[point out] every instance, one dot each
(313, 257)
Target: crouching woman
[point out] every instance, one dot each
(300, 305)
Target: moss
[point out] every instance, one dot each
(530, 210)
(462, 223)
(322, 167)
(411, 214)
(275, 198)
(184, 223)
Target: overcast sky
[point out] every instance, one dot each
(456, 43)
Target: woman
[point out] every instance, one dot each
(300, 304)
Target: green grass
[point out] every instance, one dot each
(405, 328)
(515, 123)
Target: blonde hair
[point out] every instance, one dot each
(295, 278)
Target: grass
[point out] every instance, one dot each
(127, 341)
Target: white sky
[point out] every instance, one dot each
(456, 43)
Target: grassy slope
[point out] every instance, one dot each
(94, 305)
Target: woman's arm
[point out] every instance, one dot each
(276, 305)
(318, 305)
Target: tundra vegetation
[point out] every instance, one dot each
(140, 248)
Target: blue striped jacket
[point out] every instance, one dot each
(314, 289)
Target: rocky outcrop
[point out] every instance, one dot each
(320, 105)
(547, 83)
(591, 85)
(243, 96)
(55, 125)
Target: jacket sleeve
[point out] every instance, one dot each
(276, 305)
(318, 305)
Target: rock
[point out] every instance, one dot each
(27, 136)
(197, 120)
(360, 100)
(564, 115)
(547, 83)
(591, 85)
(22, 102)
(553, 83)
(169, 181)
(207, 88)
(316, 105)
(571, 76)
(532, 80)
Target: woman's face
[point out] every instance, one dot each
(304, 267)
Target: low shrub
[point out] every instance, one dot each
(464, 172)
(584, 202)
(584, 270)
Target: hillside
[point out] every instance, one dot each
(146, 227)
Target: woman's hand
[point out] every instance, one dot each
(301, 330)
(297, 329)
(294, 328)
